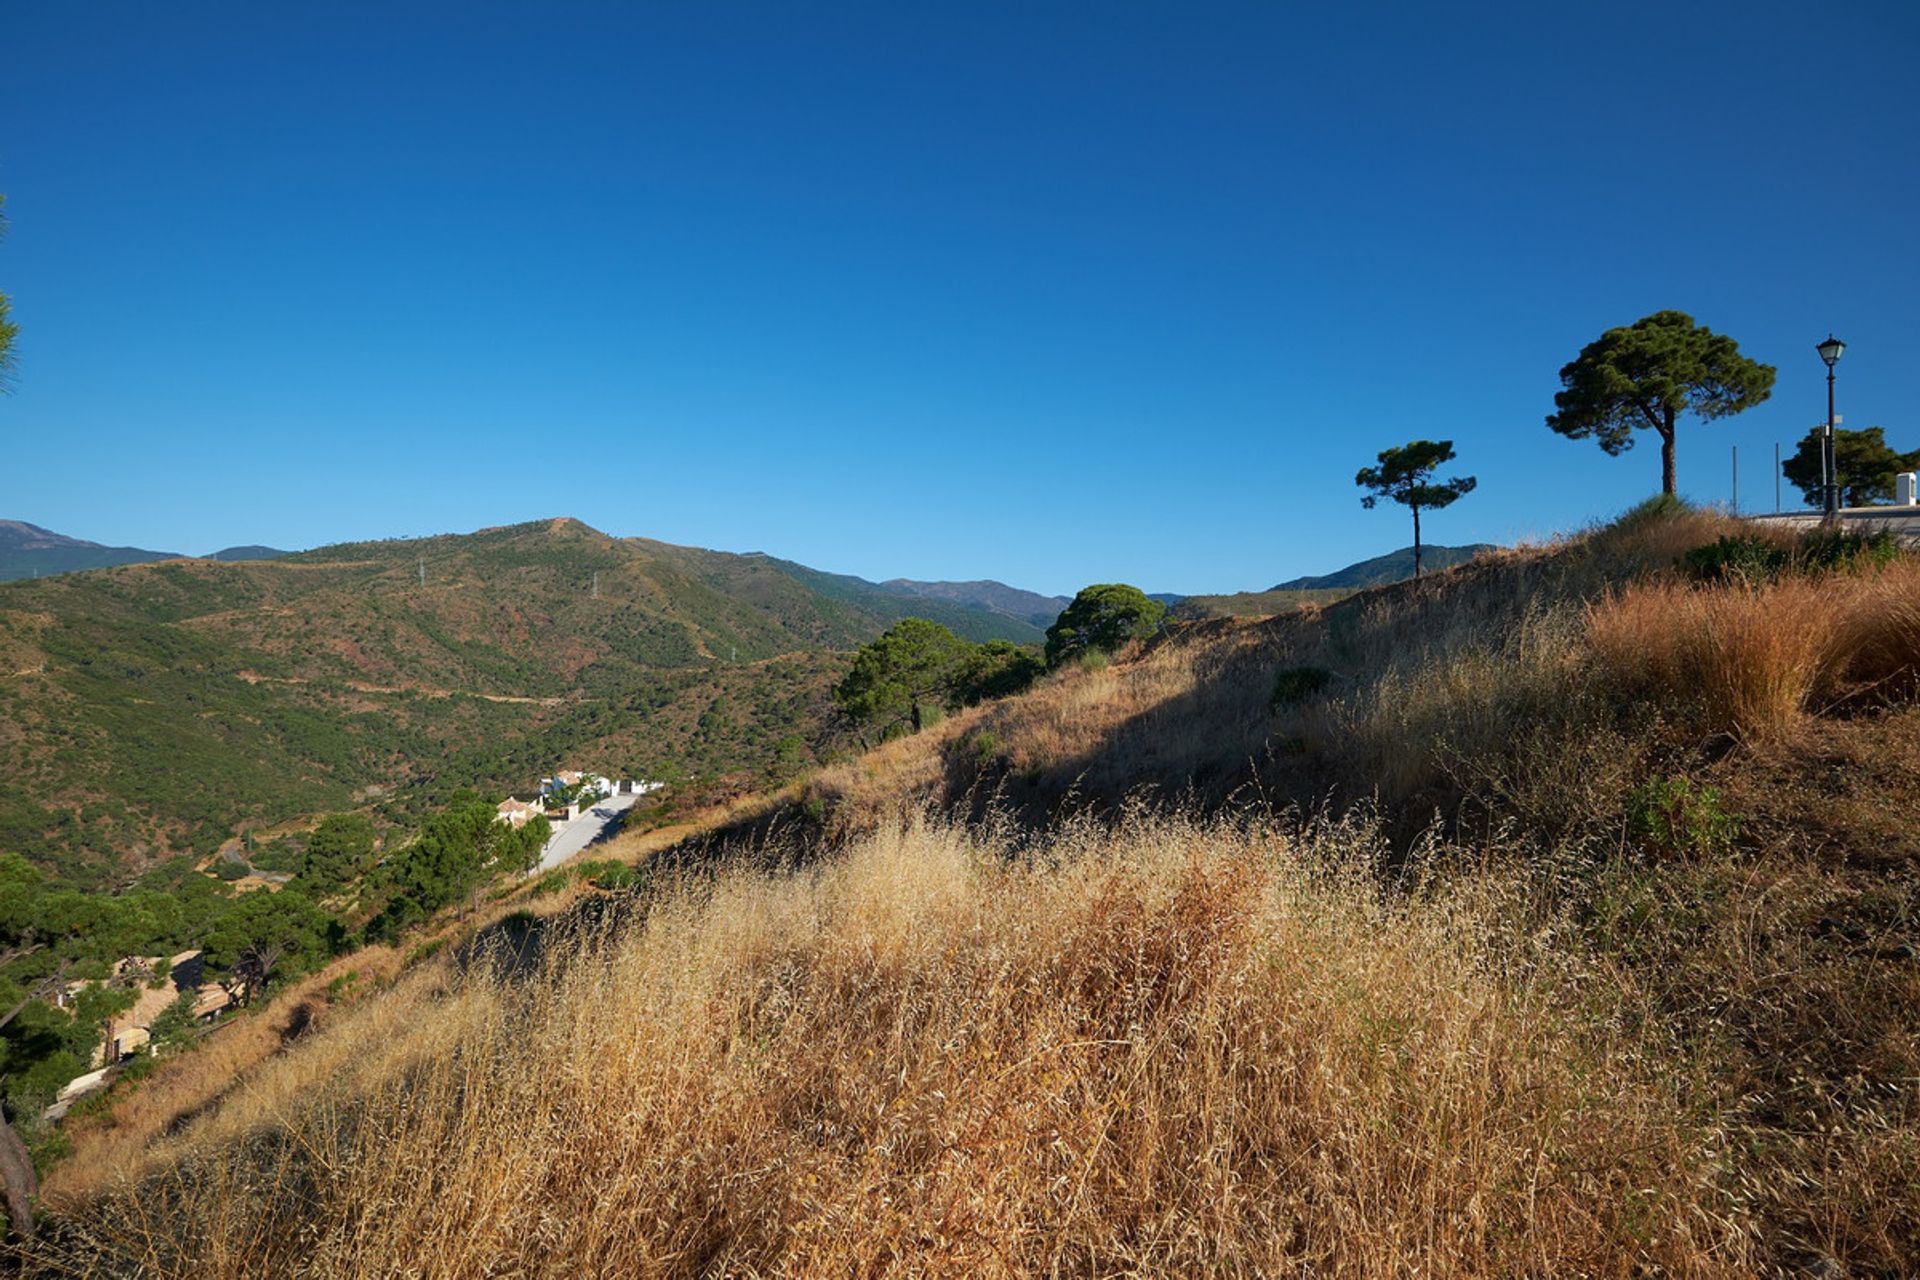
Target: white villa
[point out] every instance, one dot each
(595, 787)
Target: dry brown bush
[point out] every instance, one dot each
(1874, 637)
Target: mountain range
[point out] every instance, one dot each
(152, 708)
(996, 597)
(28, 551)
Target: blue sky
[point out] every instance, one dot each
(1054, 294)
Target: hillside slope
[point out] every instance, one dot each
(151, 708)
(1597, 958)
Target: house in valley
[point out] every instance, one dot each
(515, 813)
(131, 1030)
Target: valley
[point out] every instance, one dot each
(152, 710)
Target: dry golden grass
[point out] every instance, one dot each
(1467, 685)
(1874, 639)
(1168, 1048)
(107, 1144)
(1755, 660)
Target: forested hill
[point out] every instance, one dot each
(151, 709)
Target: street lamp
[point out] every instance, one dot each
(1830, 351)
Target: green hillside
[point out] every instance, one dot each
(152, 709)
(975, 619)
(1030, 606)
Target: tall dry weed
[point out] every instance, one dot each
(1874, 633)
(1754, 659)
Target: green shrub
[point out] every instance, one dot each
(615, 875)
(1674, 815)
(1736, 558)
(1846, 548)
(1296, 684)
(553, 882)
(229, 870)
(1752, 559)
(1661, 506)
(425, 951)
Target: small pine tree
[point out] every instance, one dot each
(1405, 475)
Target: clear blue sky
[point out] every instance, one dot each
(1054, 294)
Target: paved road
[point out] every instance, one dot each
(570, 838)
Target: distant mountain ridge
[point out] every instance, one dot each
(1392, 567)
(996, 597)
(251, 552)
(27, 550)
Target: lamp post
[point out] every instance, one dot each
(1830, 352)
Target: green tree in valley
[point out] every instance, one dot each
(914, 662)
(1647, 374)
(457, 850)
(1101, 619)
(1405, 475)
(340, 849)
(175, 1028)
(1866, 463)
(266, 933)
(996, 669)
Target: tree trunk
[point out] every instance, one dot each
(1668, 482)
(1416, 544)
(916, 715)
(18, 1182)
